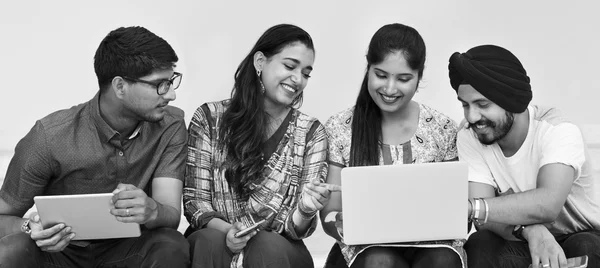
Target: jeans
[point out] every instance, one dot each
(487, 249)
(266, 249)
(396, 257)
(161, 247)
(390, 257)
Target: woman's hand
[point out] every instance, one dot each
(234, 244)
(339, 223)
(316, 195)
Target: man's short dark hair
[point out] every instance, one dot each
(133, 52)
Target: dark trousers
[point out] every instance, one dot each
(265, 249)
(162, 247)
(487, 249)
(396, 257)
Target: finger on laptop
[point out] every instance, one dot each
(332, 187)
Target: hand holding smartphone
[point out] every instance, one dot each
(576, 262)
(249, 229)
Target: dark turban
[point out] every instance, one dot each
(495, 73)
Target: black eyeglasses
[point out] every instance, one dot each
(163, 86)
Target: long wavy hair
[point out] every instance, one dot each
(366, 122)
(245, 121)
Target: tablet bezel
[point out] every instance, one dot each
(87, 214)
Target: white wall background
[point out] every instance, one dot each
(47, 48)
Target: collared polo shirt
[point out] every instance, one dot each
(74, 151)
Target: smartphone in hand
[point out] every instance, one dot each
(576, 262)
(249, 229)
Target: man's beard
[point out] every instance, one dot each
(499, 130)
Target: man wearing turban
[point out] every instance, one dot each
(532, 195)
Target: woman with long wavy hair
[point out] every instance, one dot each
(254, 158)
(386, 127)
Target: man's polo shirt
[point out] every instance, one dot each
(74, 151)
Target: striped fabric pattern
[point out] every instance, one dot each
(296, 161)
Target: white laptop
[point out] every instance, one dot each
(404, 203)
(87, 214)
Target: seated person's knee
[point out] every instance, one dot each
(439, 257)
(379, 257)
(207, 239)
(17, 249)
(481, 238)
(584, 243)
(168, 235)
(265, 243)
(168, 240)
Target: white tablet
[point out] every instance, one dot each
(87, 214)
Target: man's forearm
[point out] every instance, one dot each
(167, 216)
(521, 208)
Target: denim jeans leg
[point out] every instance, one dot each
(18, 250)
(162, 247)
(582, 243)
(485, 249)
(272, 250)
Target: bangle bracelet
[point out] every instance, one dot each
(472, 212)
(487, 211)
(305, 215)
(476, 215)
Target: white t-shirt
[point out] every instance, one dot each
(550, 139)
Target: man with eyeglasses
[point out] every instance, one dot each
(127, 141)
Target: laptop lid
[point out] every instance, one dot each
(404, 203)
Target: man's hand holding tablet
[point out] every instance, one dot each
(131, 204)
(52, 239)
(89, 216)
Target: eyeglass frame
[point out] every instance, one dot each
(157, 85)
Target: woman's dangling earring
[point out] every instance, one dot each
(262, 86)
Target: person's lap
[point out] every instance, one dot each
(265, 249)
(407, 257)
(282, 252)
(160, 248)
(486, 249)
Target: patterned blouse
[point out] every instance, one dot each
(296, 153)
(434, 141)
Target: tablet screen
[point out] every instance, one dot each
(87, 214)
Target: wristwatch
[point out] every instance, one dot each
(25, 227)
(518, 232)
